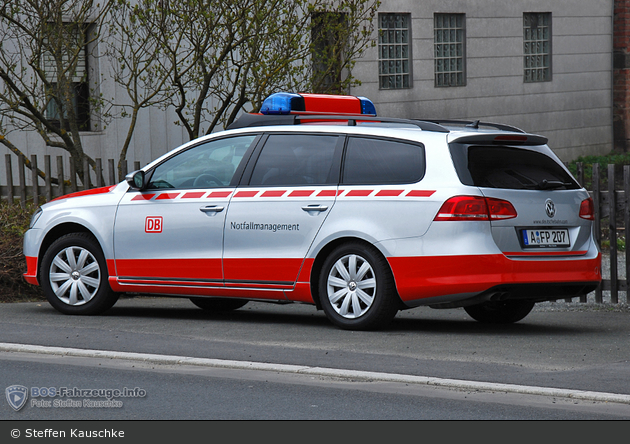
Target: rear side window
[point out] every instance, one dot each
(378, 161)
(514, 168)
(293, 159)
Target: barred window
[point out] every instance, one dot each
(70, 41)
(449, 37)
(394, 51)
(537, 46)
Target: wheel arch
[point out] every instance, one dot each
(55, 233)
(323, 254)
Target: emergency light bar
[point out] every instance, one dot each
(291, 103)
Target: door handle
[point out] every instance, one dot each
(315, 208)
(211, 209)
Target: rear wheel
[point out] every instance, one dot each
(357, 288)
(218, 304)
(504, 312)
(74, 276)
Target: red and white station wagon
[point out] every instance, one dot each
(317, 200)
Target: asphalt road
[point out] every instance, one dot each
(569, 347)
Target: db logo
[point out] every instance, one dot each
(153, 224)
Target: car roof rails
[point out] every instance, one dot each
(254, 120)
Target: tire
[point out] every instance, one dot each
(505, 312)
(74, 276)
(356, 288)
(218, 304)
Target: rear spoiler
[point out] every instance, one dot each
(501, 139)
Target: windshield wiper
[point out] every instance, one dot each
(552, 184)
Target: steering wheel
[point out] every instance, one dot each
(206, 180)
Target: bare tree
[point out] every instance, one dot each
(208, 60)
(44, 87)
(225, 56)
(137, 62)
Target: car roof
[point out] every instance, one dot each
(463, 131)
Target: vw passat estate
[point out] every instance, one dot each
(317, 200)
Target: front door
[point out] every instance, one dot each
(169, 237)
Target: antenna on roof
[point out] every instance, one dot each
(474, 124)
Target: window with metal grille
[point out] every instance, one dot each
(394, 51)
(449, 44)
(537, 46)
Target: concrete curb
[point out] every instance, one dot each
(321, 371)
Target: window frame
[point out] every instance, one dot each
(437, 42)
(79, 81)
(327, 74)
(548, 54)
(404, 75)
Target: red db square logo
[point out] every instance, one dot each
(153, 224)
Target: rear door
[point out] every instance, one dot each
(274, 217)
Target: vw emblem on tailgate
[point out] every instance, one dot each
(550, 208)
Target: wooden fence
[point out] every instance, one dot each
(60, 183)
(608, 201)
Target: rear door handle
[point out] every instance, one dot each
(211, 209)
(315, 208)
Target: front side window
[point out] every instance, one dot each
(378, 161)
(537, 46)
(394, 51)
(207, 165)
(449, 38)
(292, 160)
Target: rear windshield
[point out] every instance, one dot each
(511, 168)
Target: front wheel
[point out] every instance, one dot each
(356, 288)
(503, 312)
(74, 276)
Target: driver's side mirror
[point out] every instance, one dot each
(136, 180)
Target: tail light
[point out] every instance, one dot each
(460, 208)
(500, 209)
(587, 209)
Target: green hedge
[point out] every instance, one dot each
(14, 222)
(612, 158)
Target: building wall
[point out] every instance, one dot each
(621, 76)
(156, 132)
(574, 109)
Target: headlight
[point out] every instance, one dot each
(35, 216)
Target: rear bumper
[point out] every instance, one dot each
(453, 278)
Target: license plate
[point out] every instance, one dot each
(546, 238)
